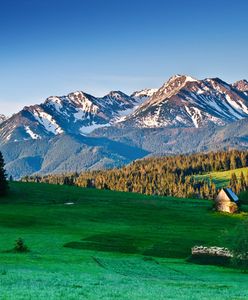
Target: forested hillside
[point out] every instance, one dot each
(168, 176)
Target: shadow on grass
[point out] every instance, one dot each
(202, 259)
(106, 243)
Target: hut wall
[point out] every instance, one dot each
(224, 204)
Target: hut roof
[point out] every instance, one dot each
(231, 195)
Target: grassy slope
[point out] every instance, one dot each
(222, 179)
(113, 234)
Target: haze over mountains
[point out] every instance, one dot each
(80, 131)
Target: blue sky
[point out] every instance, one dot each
(51, 47)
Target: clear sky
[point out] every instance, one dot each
(52, 47)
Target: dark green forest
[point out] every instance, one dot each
(167, 176)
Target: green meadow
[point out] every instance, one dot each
(222, 179)
(111, 245)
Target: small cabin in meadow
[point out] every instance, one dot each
(227, 201)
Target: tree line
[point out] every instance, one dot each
(3, 177)
(167, 176)
(239, 184)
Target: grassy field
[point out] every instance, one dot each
(222, 179)
(110, 245)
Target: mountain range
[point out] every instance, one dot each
(76, 113)
(79, 131)
(186, 102)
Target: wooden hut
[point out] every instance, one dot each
(227, 201)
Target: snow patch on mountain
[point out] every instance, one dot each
(186, 101)
(56, 102)
(33, 135)
(195, 115)
(142, 95)
(88, 129)
(139, 98)
(47, 121)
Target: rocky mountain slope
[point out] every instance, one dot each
(186, 102)
(181, 102)
(113, 147)
(2, 118)
(76, 113)
(169, 141)
(241, 85)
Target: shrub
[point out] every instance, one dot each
(20, 246)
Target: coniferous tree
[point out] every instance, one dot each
(3, 177)
(234, 182)
(242, 182)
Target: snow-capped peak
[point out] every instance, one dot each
(186, 102)
(182, 101)
(169, 88)
(143, 93)
(77, 113)
(116, 94)
(241, 85)
(183, 78)
(177, 82)
(2, 118)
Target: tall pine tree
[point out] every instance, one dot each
(3, 177)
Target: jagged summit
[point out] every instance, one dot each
(2, 118)
(170, 87)
(181, 78)
(75, 113)
(182, 101)
(241, 85)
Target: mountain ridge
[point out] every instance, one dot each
(187, 102)
(110, 147)
(182, 101)
(76, 113)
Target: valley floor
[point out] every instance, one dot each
(110, 245)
